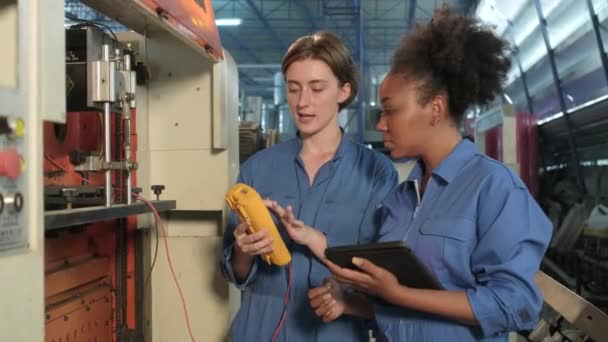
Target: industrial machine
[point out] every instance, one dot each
(147, 122)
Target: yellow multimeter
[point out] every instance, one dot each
(248, 205)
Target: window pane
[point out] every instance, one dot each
(516, 94)
(542, 89)
(577, 55)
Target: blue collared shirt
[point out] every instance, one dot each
(342, 203)
(478, 230)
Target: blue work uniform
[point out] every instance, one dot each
(342, 203)
(478, 230)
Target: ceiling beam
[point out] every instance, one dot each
(308, 15)
(389, 10)
(266, 24)
(241, 45)
(412, 14)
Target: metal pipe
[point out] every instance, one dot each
(126, 143)
(107, 152)
(126, 112)
(127, 60)
(106, 135)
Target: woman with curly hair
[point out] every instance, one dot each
(467, 217)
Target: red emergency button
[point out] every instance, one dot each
(10, 164)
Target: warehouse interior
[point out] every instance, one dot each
(125, 123)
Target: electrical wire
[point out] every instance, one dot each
(50, 160)
(73, 18)
(55, 164)
(286, 303)
(179, 289)
(149, 275)
(147, 278)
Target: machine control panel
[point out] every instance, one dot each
(13, 227)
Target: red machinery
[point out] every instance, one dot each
(93, 270)
(89, 270)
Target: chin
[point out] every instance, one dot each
(307, 130)
(394, 155)
(397, 154)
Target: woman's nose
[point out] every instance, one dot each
(381, 125)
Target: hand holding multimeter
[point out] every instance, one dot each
(250, 208)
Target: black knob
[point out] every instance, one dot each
(158, 189)
(18, 202)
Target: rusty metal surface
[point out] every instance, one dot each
(85, 316)
(72, 276)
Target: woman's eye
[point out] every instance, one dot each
(292, 90)
(317, 90)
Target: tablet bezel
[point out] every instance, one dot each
(403, 263)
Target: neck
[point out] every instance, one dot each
(440, 149)
(326, 141)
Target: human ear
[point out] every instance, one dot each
(344, 93)
(439, 109)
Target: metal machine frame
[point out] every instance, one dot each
(31, 66)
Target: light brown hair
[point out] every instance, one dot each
(327, 47)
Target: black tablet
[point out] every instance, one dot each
(395, 257)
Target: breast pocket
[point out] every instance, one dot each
(448, 243)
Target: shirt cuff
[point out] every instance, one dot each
(491, 321)
(229, 272)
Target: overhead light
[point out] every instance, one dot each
(549, 119)
(228, 22)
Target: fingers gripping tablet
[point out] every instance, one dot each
(395, 257)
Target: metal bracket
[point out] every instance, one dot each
(575, 309)
(103, 86)
(92, 163)
(114, 165)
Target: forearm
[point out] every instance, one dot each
(449, 304)
(358, 305)
(241, 264)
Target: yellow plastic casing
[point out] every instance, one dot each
(250, 208)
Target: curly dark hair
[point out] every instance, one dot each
(455, 55)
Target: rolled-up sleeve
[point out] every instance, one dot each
(513, 238)
(228, 241)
